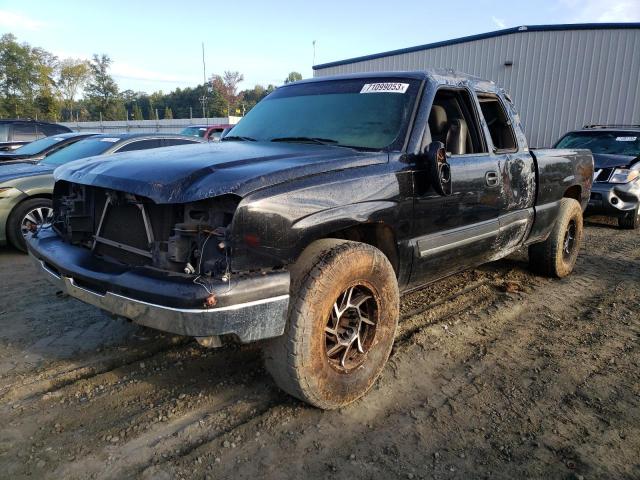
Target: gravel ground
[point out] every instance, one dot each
(496, 373)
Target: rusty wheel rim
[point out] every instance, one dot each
(351, 328)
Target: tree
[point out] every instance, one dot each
(227, 86)
(168, 114)
(136, 112)
(150, 113)
(46, 102)
(72, 77)
(102, 90)
(293, 77)
(27, 80)
(252, 96)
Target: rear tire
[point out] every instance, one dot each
(557, 255)
(631, 220)
(36, 209)
(343, 315)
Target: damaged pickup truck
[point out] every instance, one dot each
(304, 225)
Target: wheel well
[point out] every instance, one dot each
(377, 235)
(30, 197)
(574, 192)
(39, 195)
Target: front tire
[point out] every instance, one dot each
(631, 220)
(31, 213)
(343, 316)
(557, 255)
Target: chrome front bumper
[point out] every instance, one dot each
(248, 320)
(614, 198)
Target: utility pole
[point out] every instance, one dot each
(314, 53)
(203, 99)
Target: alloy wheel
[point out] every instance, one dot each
(351, 328)
(39, 217)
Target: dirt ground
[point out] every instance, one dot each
(496, 373)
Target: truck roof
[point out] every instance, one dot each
(441, 76)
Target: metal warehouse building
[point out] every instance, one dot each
(560, 77)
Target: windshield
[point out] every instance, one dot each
(38, 146)
(194, 131)
(615, 143)
(361, 113)
(4, 133)
(81, 149)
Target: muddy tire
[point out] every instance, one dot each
(343, 315)
(631, 220)
(35, 210)
(556, 256)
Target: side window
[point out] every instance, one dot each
(24, 132)
(40, 133)
(4, 133)
(215, 134)
(49, 130)
(454, 122)
(170, 142)
(140, 145)
(498, 123)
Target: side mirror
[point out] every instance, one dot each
(439, 169)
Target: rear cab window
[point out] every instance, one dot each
(498, 123)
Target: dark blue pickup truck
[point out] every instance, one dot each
(304, 225)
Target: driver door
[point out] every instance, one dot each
(457, 231)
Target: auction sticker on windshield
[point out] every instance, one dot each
(384, 88)
(626, 139)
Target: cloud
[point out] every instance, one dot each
(499, 22)
(18, 21)
(124, 71)
(603, 10)
(130, 72)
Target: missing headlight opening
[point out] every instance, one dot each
(190, 239)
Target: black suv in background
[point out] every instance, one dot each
(616, 182)
(15, 133)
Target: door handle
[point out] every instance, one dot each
(491, 178)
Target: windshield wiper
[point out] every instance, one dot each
(238, 137)
(318, 140)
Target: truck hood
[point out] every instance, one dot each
(603, 160)
(194, 172)
(21, 170)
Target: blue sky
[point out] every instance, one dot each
(156, 45)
